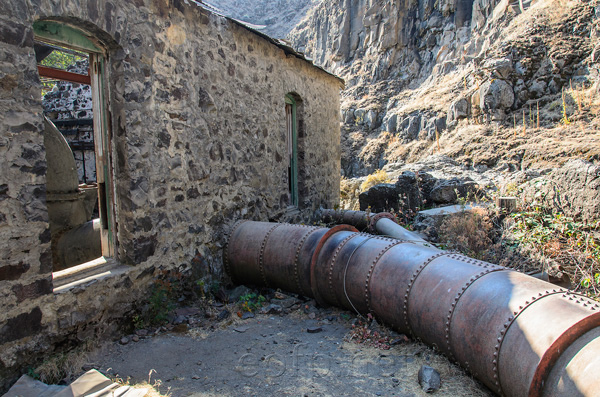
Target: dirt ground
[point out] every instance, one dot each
(275, 355)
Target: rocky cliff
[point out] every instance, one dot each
(460, 77)
(275, 18)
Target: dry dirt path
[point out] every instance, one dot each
(275, 356)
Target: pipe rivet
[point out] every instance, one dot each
(495, 376)
(526, 302)
(502, 332)
(499, 339)
(495, 362)
(453, 304)
(514, 313)
(520, 307)
(495, 354)
(540, 294)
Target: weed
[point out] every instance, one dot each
(251, 302)
(32, 373)
(565, 118)
(575, 245)
(164, 292)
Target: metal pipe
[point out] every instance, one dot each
(382, 223)
(517, 334)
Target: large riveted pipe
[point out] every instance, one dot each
(519, 335)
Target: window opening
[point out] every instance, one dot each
(292, 148)
(80, 206)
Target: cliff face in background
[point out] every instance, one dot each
(277, 16)
(418, 71)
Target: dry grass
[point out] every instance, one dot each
(152, 386)
(376, 178)
(63, 366)
(349, 191)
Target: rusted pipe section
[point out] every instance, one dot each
(382, 223)
(519, 335)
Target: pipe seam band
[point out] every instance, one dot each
(296, 264)
(412, 281)
(226, 249)
(261, 256)
(471, 281)
(332, 264)
(372, 268)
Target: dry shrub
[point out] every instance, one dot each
(379, 176)
(349, 191)
(467, 232)
(65, 366)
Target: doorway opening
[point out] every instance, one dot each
(79, 183)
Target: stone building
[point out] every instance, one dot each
(199, 121)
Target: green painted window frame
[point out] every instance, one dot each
(289, 100)
(60, 33)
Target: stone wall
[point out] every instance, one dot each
(198, 141)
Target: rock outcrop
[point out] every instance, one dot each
(417, 70)
(573, 189)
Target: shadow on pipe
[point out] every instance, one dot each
(519, 335)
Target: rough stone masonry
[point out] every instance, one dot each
(195, 107)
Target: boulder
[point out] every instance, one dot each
(371, 119)
(499, 67)
(496, 95)
(573, 189)
(448, 191)
(379, 198)
(392, 123)
(459, 109)
(410, 192)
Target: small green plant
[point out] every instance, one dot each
(165, 290)
(252, 301)
(139, 322)
(32, 373)
(160, 305)
(573, 244)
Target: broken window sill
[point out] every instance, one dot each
(86, 274)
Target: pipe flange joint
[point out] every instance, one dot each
(379, 216)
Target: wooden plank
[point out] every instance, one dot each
(59, 74)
